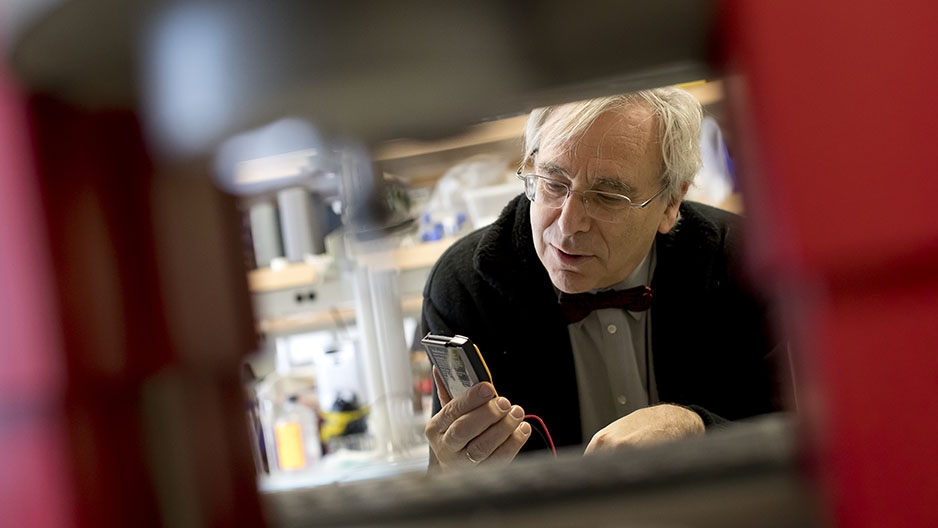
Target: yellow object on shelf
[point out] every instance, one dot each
(290, 450)
(335, 422)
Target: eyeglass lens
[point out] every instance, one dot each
(599, 205)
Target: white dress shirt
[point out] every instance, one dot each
(612, 351)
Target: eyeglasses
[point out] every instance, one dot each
(600, 205)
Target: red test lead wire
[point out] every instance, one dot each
(550, 441)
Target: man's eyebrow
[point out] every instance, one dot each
(613, 184)
(552, 169)
(549, 168)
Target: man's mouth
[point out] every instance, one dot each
(569, 258)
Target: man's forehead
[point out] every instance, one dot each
(619, 149)
(626, 129)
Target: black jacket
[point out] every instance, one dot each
(711, 345)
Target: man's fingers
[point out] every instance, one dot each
(474, 423)
(510, 447)
(462, 420)
(485, 444)
(478, 395)
(441, 391)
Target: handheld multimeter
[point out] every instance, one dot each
(458, 360)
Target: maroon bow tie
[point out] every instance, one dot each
(576, 306)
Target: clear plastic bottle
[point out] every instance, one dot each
(294, 429)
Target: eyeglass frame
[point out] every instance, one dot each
(632, 205)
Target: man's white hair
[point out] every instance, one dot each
(678, 116)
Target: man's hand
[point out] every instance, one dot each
(475, 428)
(650, 425)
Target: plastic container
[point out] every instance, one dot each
(485, 203)
(294, 429)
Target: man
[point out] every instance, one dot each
(602, 212)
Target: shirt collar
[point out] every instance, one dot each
(640, 276)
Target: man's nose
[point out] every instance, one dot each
(573, 215)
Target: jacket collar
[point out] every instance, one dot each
(505, 256)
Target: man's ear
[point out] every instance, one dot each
(669, 217)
